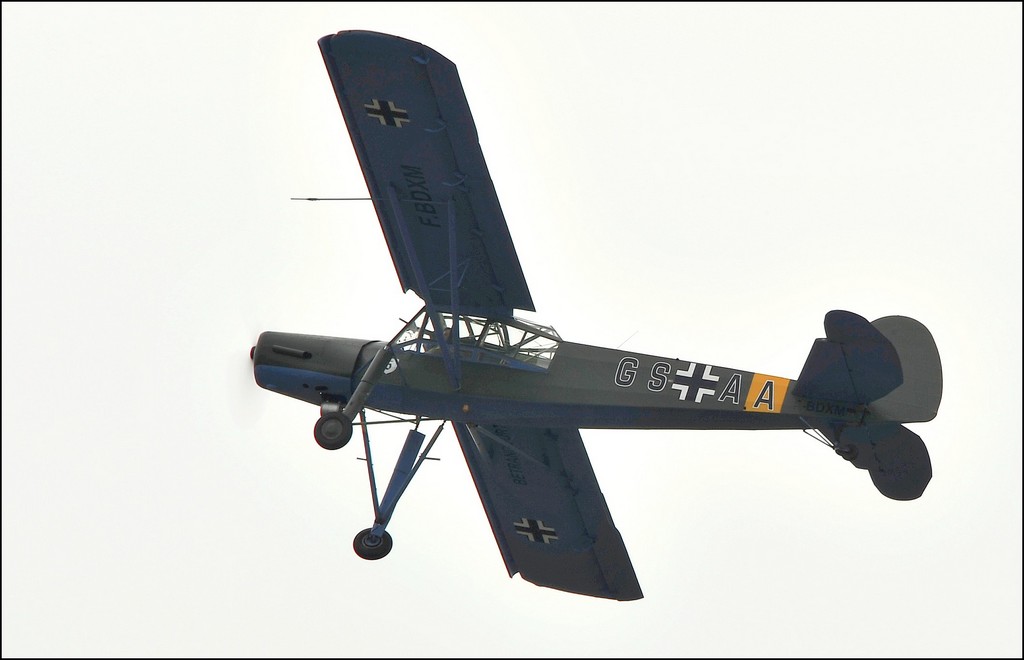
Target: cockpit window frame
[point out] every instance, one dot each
(507, 342)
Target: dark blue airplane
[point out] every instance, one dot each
(515, 393)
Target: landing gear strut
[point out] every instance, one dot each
(334, 428)
(375, 542)
(333, 431)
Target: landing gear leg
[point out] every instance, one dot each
(375, 542)
(370, 377)
(334, 428)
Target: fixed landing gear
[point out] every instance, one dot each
(374, 542)
(849, 452)
(333, 430)
(368, 546)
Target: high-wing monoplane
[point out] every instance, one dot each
(516, 393)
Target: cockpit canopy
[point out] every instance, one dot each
(508, 342)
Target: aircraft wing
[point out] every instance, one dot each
(546, 509)
(417, 144)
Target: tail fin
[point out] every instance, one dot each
(856, 363)
(891, 364)
(890, 367)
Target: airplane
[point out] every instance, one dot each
(516, 393)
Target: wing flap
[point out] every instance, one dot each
(546, 510)
(417, 144)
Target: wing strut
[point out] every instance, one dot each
(451, 359)
(456, 366)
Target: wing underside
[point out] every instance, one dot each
(413, 133)
(546, 510)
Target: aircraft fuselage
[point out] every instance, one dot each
(582, 387)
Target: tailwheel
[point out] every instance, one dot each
(372, 547)
(333, 431)
(849, 452)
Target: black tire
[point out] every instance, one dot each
(333, 431)
(368, 548)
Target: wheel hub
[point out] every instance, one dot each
(332, 429)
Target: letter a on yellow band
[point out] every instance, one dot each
(766, 394)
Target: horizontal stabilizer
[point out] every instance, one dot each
(854, 364)
(896, 458)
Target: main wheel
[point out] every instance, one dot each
(333, 431)
(370, 547)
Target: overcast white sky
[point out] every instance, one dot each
(713, 178)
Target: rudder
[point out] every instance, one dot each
(917, 398)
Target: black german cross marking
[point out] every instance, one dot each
(387, 114)
(695, 382)
(536, 530)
